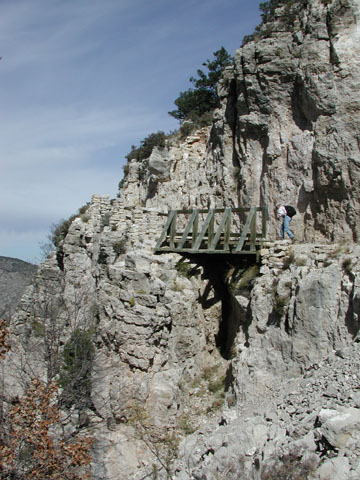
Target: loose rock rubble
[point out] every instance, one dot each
(309, 425)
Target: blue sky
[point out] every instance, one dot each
(83, 80)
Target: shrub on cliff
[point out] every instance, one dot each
(268, 8)
(75, 374)
(146, 146)
(195, 102)
(58, 231)
(288, 14)
(33, 442)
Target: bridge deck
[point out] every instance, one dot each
(215, 231)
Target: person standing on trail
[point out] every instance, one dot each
(282, 214)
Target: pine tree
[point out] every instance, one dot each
(193, 103)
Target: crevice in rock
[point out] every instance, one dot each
(229, 377)
(246, 98)
(298, 101)
(152, 189)
(168, 327)
(233, 317)
(353, 313)
(231, 110)
(60, 258)
(224, 338)
(333, 56)
(324, 448)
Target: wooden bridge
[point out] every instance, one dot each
(214, 231)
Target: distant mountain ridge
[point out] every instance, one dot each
(15, 276)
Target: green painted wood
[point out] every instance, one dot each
(264, 218)
(227, 228)
(195, 229)
(188, 227)
(204, 228)
(164, 232)
(253, 232)
(245, 231)
(173, 230)
(249, 241)
(220, 228)
(201, 251)
(211, 230)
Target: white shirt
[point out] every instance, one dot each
(281, 212)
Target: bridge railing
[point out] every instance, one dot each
(218, 230)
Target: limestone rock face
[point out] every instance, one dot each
(287, 129)
(298, 117)
(255, 371)
(152, 337)
(242, 370)
(15, 276)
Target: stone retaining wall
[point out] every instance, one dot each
(277, 256)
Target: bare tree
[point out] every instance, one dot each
(33, 445)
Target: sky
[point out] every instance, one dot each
(83, 80)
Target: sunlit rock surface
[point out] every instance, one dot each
(255, 371)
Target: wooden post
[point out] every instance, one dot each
(246, 228)
(253, 232)
(264, 219)
(227, 230)
(173, 230)
(190, 223)
(206, 226)
(211, 229)
(220, 229)
(249, 239)
(165, 230)
(195, 229)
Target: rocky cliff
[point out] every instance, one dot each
(15, 276)
(207, 368)
(287, 129)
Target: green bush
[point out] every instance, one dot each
(193, 103)
(268, 8)
(105, 220)
(190, 126)
(217, 384)
(288, 15)
(59, 230)
(186, 269)
(37, 328)
(82, 210)
(187, 128)
(75, 373)
(183, 267)
(146, 147)
(119, 247)
(280, 304)
(239, 278)
(186, 424)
